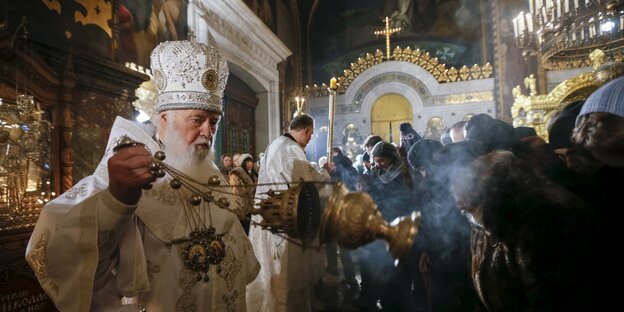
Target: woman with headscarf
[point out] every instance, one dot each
(390, 188)
(243, 180)
(225, 165)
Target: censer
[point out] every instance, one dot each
(295, 212)
(350, 218)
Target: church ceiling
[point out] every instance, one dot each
(342, 30)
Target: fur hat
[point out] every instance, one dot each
(561, 127)
(494, 134)
(189, 75)
(405, 127)
(607, 99)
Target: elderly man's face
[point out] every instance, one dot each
(196, 127)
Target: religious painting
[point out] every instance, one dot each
(435, 126)
(197, 254)
(80, 26)
(341, 31)
(143, 24)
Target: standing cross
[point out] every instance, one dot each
(387, 32)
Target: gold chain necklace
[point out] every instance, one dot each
(205, 246)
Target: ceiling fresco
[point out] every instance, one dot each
(342, 30)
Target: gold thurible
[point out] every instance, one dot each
(352, 219)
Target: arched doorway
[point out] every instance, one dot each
(388, 112)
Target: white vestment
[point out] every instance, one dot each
(287, 272)
(91, 252)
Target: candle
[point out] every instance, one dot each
(529, 22)
(521, 23)
(333, 83)
(531, 6)
(559, 8)
(576, 5)
(515, 21)
(566, 6)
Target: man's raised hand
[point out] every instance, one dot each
(128, 173)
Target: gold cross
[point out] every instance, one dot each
(387, 32)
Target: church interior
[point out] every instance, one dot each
(358, 68)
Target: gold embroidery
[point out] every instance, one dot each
(37, 260)
(229, 268)
(229, 301)
(76, 191)
(163, 193)
(88, 249)
(188, 279)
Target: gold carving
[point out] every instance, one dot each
(535, 110)
(529, 83)
(597, 58)
(417, 57)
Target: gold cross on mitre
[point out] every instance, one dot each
(387, 32)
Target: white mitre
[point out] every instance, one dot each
(189, 75)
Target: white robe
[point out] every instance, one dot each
(90, 252)
(287, 272)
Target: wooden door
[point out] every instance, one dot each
(238, 126)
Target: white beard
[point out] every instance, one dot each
(192, 161)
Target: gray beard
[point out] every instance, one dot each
(198, 164)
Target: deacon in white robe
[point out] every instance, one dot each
(288, 272)
(105, 245)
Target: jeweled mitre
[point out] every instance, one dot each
(189, 75)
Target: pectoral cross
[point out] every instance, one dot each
(387, 32)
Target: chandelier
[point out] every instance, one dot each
(566, 31)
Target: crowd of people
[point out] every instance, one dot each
(509, 221)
